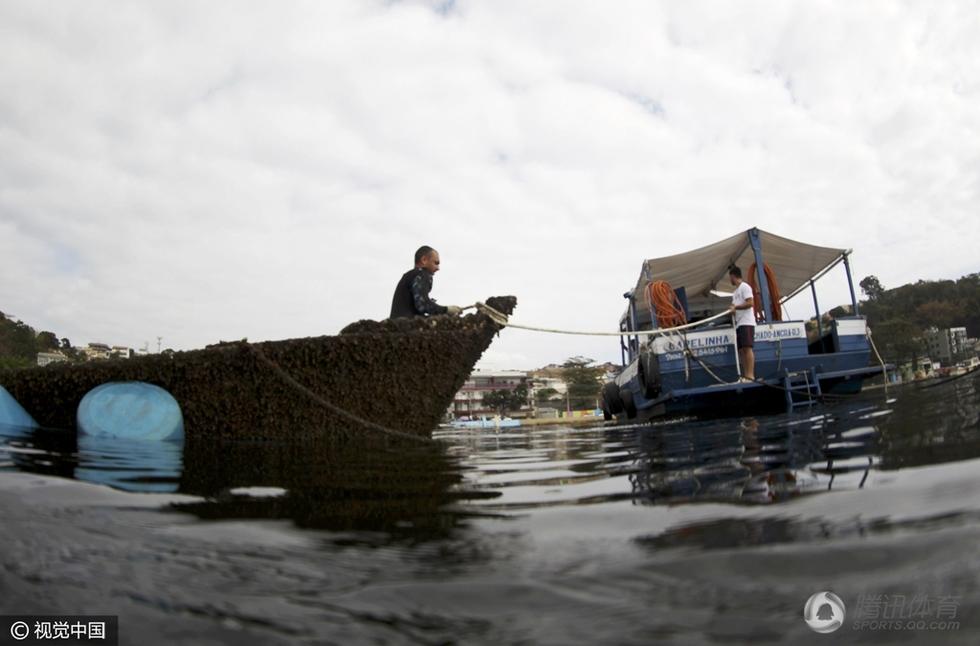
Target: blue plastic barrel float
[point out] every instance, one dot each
(131, 410)
(14, 420)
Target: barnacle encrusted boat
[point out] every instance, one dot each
(397, 374)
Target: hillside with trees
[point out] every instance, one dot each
(899, 316)
(20, 343)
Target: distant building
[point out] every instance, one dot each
(121, 350)
(105, 351)
(970, 364)
(44, 358)
(469, 400)
(97, 351)
(948, 345)
(539, 382)
(546, 392)
(543, 381)
(921, 368)
(971, 348)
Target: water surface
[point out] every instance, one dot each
(681, 532)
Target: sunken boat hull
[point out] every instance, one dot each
(400, 374)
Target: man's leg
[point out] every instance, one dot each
(748, 363)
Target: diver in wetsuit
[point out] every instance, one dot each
(411, 296)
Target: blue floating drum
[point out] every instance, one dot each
(13, 417)
(130, 410)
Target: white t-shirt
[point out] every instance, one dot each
(743, 293)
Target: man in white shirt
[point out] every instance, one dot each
(743, 309)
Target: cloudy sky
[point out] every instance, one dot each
(217, 170)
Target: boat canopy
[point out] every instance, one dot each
(702, 270)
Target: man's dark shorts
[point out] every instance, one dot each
(745, 336)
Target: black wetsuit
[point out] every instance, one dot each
(412, 296)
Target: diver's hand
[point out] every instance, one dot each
(454, 310)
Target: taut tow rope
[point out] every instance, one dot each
(502, 319)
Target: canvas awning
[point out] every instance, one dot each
(705, 269)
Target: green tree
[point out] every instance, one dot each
(872, 287)
(898, 316)
(47, 341)
(898, 341)
(504, 400)
(545, 395)
(9, 363)
(17, 340)
(19, 344)
(583, 381)
(941, 314)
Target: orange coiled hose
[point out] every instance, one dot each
(777, 309)
(670, 312)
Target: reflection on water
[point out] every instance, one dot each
(684, 530)
(127, 465)
(425, 490)
(754, 462)
(401, 488)
(130, 465)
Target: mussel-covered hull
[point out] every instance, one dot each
(400, 374)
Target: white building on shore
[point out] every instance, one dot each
(104, 351)
(948, 345)
(469, 399)
(44, 358)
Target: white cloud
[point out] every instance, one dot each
(214, 171)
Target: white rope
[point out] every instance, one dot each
(884, 370)
(501, 319)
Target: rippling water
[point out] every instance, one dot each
(681, 532)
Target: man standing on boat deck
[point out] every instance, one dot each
(743, 309)
(411, 296)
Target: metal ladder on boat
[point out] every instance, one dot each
(802, 388)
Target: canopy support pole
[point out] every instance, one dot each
(761, 274)
(850, 286)
(816, 307)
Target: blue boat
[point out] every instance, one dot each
(679, 353)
